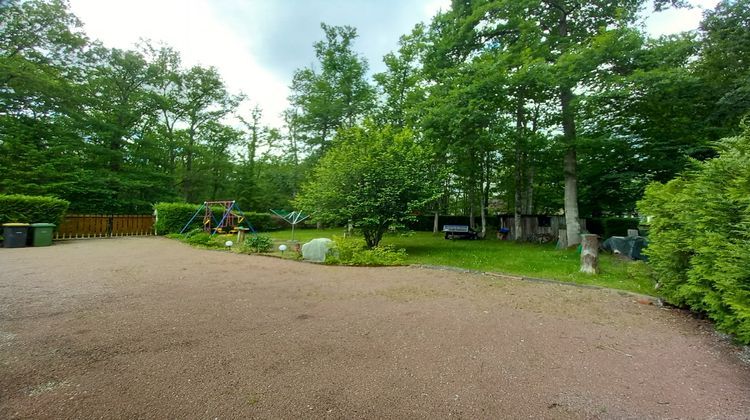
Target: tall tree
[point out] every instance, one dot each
(41, 48)
(336, 95)
(204, 99)
(565, 35)
(725, 55)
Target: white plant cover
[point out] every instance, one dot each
(316, 249)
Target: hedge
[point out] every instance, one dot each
(16, 208)
(172, 217)
(611, 226)
(700, 236)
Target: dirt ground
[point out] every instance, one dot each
(151, 328)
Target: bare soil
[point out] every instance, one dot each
(151, 328)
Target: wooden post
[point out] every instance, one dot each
(632, 232)
(241, 234)
(562, 239)
(589, 254)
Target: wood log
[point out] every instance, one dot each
(589, 254)
(562, 239)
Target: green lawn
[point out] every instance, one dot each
(540, 261)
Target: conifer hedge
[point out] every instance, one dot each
(700, 237)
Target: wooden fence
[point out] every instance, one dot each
(104, 226)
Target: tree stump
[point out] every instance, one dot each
(562, 239)
(589, 254)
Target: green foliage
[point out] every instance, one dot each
(201, 238)
(350, 251)
(172, 217)
(374, 177)
(259, 243)
(31, 209)
(611, 226)
(424, 223)
(700, 236)
(265, 222)
(338, 94)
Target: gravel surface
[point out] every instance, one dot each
(151, 328)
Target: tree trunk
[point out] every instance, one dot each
(573, 228)
(483, 214)
(530, 189)
(590, 254)
(472, 222)
(436, 223)
(517, 175)
(562, 239)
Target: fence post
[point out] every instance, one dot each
(110, 221)
(589, 254)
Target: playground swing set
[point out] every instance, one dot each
(231, 221)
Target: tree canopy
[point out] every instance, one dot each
(523, 107)
(374, 177)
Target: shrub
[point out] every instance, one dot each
(700, 236)
(32, 209)
(199, 238)
(265, 222)
(259, 243)
(351, 251)
(172, 217)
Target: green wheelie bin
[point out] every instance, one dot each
(14, 235)
(41, 234)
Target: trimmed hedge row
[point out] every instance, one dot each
(172, 217)
(611, 226)
(17, 208)
(700, 236)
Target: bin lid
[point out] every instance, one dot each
(15, 224)
(42, 225)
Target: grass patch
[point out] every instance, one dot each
(530, 260)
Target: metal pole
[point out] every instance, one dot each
(193, 218)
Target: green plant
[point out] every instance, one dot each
(197, 237)
(259, 243)
(172, 217)
(372, 176)
(265, 222)
(351, 251)
(31, 209)
(699, 237)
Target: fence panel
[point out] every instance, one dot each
(104, 226)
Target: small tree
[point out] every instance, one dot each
(374, 177)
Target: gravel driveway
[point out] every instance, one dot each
(151, 328)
